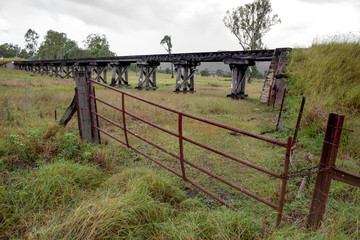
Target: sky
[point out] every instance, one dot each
(135, 27)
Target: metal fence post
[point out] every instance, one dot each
(324, 176)
(181, 146)
(284, 181)
(26, 97)
(124, 118)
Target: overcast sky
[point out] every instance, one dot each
(137, 26)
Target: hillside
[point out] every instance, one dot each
(329, 76)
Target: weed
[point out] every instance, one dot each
(69, 146)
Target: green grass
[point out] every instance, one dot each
(53, 186)
(6, 60)
(329, 76)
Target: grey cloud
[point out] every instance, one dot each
(117, 15)
(354, 3)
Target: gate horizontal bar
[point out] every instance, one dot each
(108, 120)
(345, 176)
(261, 169)
(108, 134)
(156, 161)
(270, 140)
(253, 195)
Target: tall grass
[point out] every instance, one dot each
(148, 206)
(328, 74)
(30, 195)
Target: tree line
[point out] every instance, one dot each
(56, 45)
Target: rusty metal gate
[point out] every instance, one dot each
(184, 163)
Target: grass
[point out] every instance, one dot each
(53, 186)
(6, 60)
(331, 83)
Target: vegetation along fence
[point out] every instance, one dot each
(88, 118)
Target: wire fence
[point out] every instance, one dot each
(36, 88)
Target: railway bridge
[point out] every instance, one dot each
(185, 65)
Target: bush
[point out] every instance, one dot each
(205, 73)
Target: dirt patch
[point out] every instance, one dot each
(22, 164)
(4, 177)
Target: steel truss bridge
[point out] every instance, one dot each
(185, 65)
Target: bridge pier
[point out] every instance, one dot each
(51, 70)
(42, 69)
(66, 71)
(56, 71)
(38, 68)
(238, 71)
(120, 69)
(185, 71)
(147, 70)
(97, 69)
(61, 71)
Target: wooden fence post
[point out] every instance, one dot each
(324, 176)
(87, 132)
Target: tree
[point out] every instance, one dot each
(24, 54)
(31, 43)
(98, 46)
(250, 22)
(205, 72)
(167, 71)
(56, 46)
(219, 73)
(167, 41)
(9, 50)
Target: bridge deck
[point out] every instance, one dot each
(220, 56)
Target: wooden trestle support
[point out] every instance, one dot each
(66, 71)
(99, 71)
(238, 70)
(147, 78)
(120, 76)
(185, 71)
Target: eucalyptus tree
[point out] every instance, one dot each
(56, 45)
(98, 46)
(9, 50)
(31, 38)
(166, 43)
(249, 24)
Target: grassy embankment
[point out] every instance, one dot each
(55, 187)
(6, 60)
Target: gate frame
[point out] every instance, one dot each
(90, 130)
